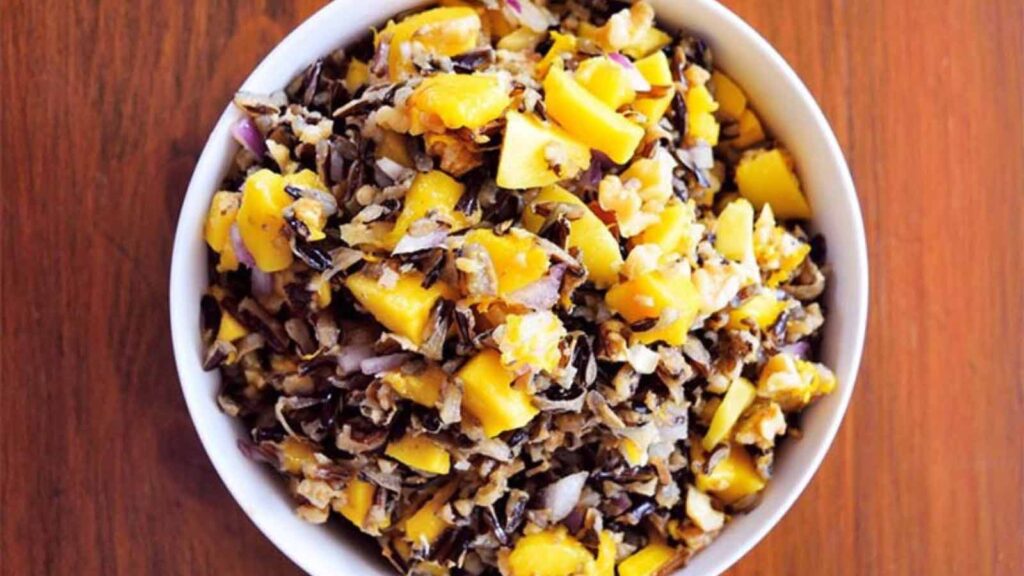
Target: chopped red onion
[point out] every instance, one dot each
(350, 358)
(515, 5)
(249, 136)
(262, 282)
(410, 243)
(562, 496)
(241, 252)
(377, 364)
(542, 294)
(799, 349)
(636, 79)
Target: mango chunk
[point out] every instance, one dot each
(219, 219)
(653, 295)
(763, 310)
(700, 107)
(357, 75)
(598, 247)
(552, 552)
(652, 41)
(734, 232)
(489, 397)
(294, 454)
(676, 231)
(394, 146)
(517, 258)
(606, 79)
(456, 101)
(731, 100)
(358, 501)
(648, 560)
(767, 177)
(793, 383)
(751, 131)
(535, 153)
(630, 31)
(738, 398)
(230, 328)
(403, 309)
(560, 44)
(606, 551)
(261, 223)
(589, 119)
(421, 453)
(430, 191)
(444, 31)
(425, 526)
(733, 478)
(423, 388)
(530, 341)
(655, 69)
(520, 40)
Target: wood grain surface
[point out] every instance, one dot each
(106, 105)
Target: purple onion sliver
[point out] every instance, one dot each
(249, 136)
(262, 282)
(515, 6)
(621, 60)
(377, 364)
(241, 252)
(798, 350)
(350, 357)
(542, 294)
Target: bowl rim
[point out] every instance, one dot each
(184, 341)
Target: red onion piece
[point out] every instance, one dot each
(542, 294)
(636, 79)
(241, 252)
(562, 496)
(262, 283)
(377, 364)
(410, 243)
(515, 6)
(799, 349)
(351, 357)
(621, 59)
(249, 136)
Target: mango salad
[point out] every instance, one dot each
(518, 288)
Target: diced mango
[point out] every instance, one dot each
(552, 552)
(403, 309)
(734, 231)
(560, 44)
(655, 69)
(589, 119)
(733, 478)
(738, 398)
(358, 501)
(652, 40)
(730, 97)
(704, 127)
(767, 177)
(530, 341)
(674, 232)
(457, 101)
(648, 560)
(357, 75)
(599, 249)
(700, 108)
(751, 131)
(653, 108)
(423, 388)
(430, 191)
(629, 31)
(221, 216)
(394, 146)
(520, 40)
(700, 101)
(606, 79)
(653, 294)
(532, 150)
(228, 261)
(294, 454)
(261, 223)
(440, 31)
(488, 394)
(425, 526)
(420, 452)
(763, 310)
(230, 328)
(517, 258)
(607, 549)
(788, 263)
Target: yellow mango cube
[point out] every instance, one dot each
(230, 328)
(517, 258)
(599, 250)
(589, 119)
(294, 454)
(423, 388)
(394, 146)
(763, 310)
(700, 107)
(607, 549)
(653, 108)
(733, 478)
(357, 75)
(734, 231)
(532, 150)
(655, 69)
(521, 39)
(488, 394)
(552, 552)
(429, 191)
(767, 177)
(606, 79)
(219, 219)
(403, 309)
(357, 501)
(530, 341)
(738, 397)
(421, 453)
(560, 44)
(458, 101)
(674, 231)
(648, 560)
(751, 131)
(651, 41)
(425, 526)
(652, 294)
(261, 222)
(446, 31)
(731, 100)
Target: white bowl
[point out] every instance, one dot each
(790, 112)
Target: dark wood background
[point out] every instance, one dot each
(106, 105)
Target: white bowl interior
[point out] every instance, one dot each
(776, 93)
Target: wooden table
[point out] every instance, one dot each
(106, 104)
